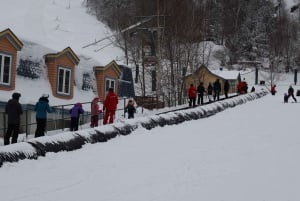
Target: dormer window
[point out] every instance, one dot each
(5, 69)
(109, 83)
(64, 80)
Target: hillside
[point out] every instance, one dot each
(50, 26)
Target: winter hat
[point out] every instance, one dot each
(16, 96)
(45, 95)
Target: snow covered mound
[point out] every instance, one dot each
(69, 141)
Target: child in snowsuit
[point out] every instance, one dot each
(130, 109)
(75, 114)
(273, 90)
(95, 112)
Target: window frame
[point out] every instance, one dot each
(110, 80)
(65, 70)
(3, 56)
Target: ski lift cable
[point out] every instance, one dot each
(122, 31)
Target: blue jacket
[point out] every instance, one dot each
(42, 107)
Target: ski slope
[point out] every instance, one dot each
(249, 152)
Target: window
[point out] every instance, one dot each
(5, 69)
(109, 83)
(64, 81)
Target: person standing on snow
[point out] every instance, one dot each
(273, 89)
(217, 89)
(110, 106)
(13, 109)
(209, 92)
(192, 91)
(42, 108)
(200, 90)
(130, 109)
(226, 88)
(75, 112)
(291, 93)
(95, 112)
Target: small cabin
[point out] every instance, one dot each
(61, 71)
(107, 77)
(9, 46)
(203, 74)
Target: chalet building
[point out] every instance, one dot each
(9, 46)
(107, 77)
(203, 74)
(61, 71)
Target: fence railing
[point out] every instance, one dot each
(60, 118)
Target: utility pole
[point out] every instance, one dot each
(158, 70)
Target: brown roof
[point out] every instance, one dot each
(67, 51)
(12, 38)
(112, 64)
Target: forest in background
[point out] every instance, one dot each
(250, 30)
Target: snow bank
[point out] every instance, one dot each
(69, 141)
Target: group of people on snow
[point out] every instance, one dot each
(287, 95)
(213, 92)
(14, 110)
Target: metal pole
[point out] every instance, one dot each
(26, 124)
(63, 117)
(124, 106)
(158, 73)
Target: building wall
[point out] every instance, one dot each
(100, 79)
(8, 48)
(100, 84)
(53, 64)
(205, 76)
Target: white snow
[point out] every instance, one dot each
(245, 153)
(49, 26)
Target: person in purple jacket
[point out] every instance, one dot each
(75, 112)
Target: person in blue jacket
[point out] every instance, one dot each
(42, 108)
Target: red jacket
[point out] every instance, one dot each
(273, 89)
(110, 102)
(192, 92)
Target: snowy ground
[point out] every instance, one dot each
(246, 153)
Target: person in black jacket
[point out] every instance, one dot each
(200, 90)
(13, 109)
(226, 88)
(209, 92)
(217, 89)
(291, 93)
(130, 109)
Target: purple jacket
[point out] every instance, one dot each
(76, 110)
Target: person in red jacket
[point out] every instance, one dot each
(192, 92)
(110, 106)
(273, 89)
